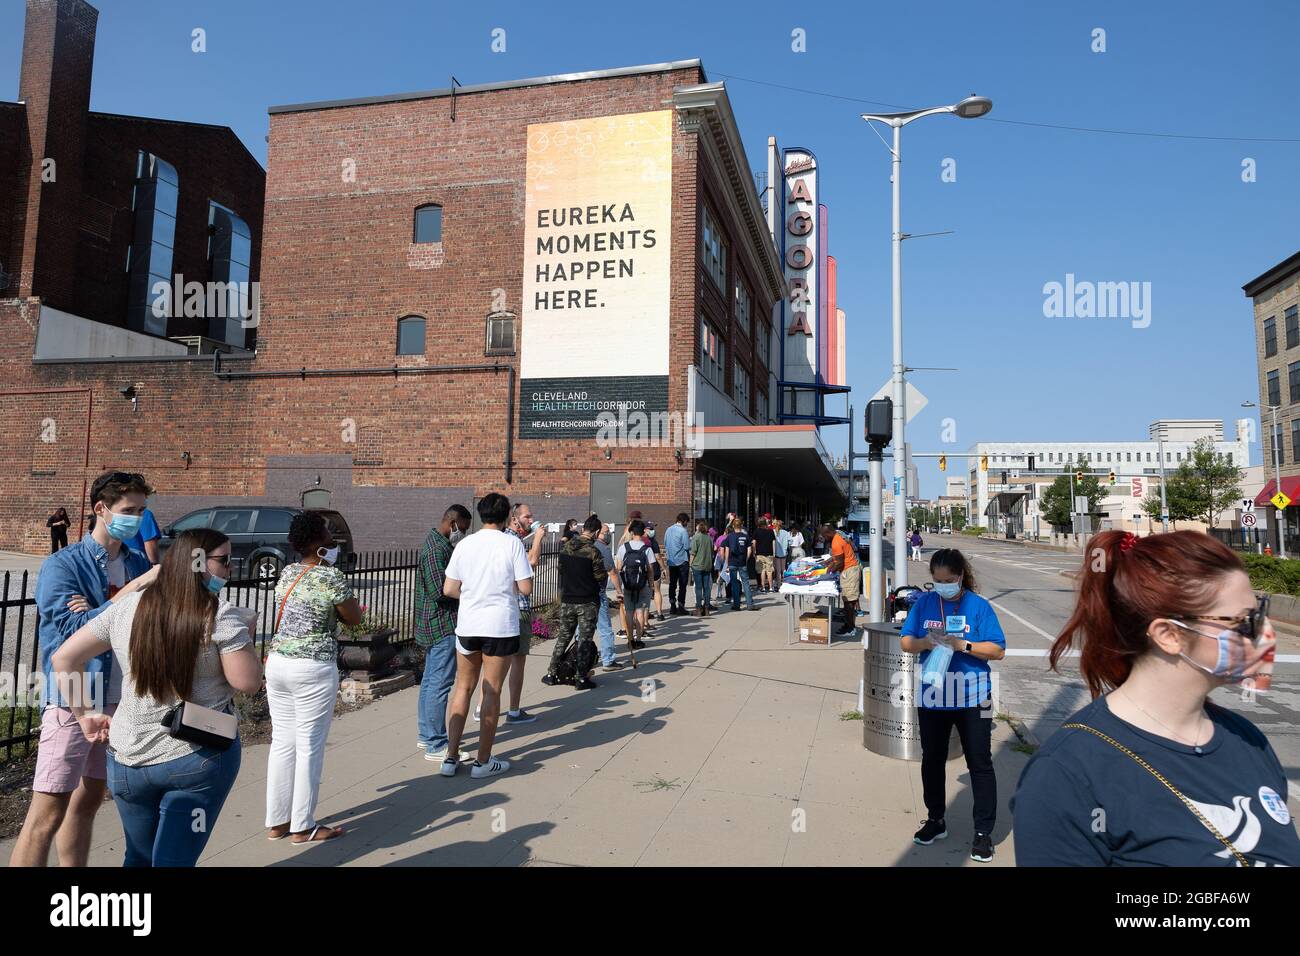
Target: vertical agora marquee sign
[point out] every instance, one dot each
(597, 230)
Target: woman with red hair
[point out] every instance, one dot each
(1151, 773)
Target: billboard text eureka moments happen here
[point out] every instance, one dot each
(597, 231)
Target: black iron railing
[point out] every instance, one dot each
(20, 719)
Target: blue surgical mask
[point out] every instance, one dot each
(215, 584)
(1227, 639)
(123, 527)
(948, 590)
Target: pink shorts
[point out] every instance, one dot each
(65, 755)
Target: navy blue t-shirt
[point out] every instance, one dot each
(1082, 802)
(967, 682)
(738, 542)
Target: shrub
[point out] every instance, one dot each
(974, 530)
(1272, 574)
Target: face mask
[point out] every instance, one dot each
(651, 532)
(456, 534)
(215, 584)
(329, 555)
(123, 527)
(947, 591)
(1229, 648)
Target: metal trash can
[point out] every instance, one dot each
(889, 725)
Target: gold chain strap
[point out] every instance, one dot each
(1172, 789)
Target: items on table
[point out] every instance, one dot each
(809, 571)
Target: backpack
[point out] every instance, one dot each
(636, 569)
(578, 661)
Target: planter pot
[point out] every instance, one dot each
(367, 656)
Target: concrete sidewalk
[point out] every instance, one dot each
(724, 747)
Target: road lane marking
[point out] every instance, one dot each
(1033, 627)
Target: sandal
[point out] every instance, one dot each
(329, 833)
(272, 835)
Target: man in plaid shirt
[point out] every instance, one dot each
(435, 631)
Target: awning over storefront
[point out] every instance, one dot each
(1290, 487)
(789, 458)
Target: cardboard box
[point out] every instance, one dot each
(812, 628)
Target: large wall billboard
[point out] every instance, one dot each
(597, 229)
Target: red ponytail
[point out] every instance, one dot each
(1126, 583)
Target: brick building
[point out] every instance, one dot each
(1275, 297)
(95, 209)
(454, 286)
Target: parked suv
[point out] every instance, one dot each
(259, 536)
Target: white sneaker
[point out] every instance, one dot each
(449, 768)
(441, 755)
(477, 710)
(494, 766)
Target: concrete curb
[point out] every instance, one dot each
(1022, 731)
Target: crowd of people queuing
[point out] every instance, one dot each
(142, 658)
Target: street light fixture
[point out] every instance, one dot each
(1277, 470)
(970, 108)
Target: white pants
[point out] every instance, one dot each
(916, 552)
(300, 694)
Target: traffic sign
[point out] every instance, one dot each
(1248, 519)
(1247, 505)
(1280, 501)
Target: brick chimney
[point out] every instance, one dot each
(58, 56)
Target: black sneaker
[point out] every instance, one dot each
(612, 666)
(933, 831)
(550, 680)
(637, 645)
(981, 849)
(586, 684)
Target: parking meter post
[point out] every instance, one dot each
(876, 548)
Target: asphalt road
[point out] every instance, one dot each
(1033, 601)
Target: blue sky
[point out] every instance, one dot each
(1030, 204)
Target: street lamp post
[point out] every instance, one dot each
(969, 108)
(1277, 471)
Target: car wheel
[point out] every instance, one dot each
(266, 571)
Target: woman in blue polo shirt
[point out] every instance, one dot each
(953, 614)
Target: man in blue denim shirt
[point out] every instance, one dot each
(74, 586)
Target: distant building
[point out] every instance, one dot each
(1005, 496)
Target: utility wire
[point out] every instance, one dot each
(1011, 122)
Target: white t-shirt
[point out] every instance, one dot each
(487, 564)
(796, 540)
(116, 568)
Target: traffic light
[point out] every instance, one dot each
(984, 463)
(1112, 477)
(943, 462)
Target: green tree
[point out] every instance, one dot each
(1054, 503)
(1207, 485)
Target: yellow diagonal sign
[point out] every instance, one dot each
(1280, 501)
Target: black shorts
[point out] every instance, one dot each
(488, 646)
(658, 571)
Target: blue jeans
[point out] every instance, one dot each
(605, 630)
(435, 688)
(740, 579)
(703, 581)
(168, 809)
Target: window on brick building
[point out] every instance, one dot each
(230, 256)
(1274, 387)
(712, 349)
(428, 223)
(763, 343)
(1295, 441)
(1292, 328)
(1270, 337)
(713, 252)
(149, 259)
(410, 335)
(740, 387)
(744, 308)
(502, 333)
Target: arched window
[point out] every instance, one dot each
(410, 335)
(428, 223)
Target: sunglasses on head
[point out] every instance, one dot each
(1250, 624)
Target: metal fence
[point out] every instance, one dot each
(20, 723)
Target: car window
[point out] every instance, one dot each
(336, 523)
(233, 520)
(273, 521)
(198, 519)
